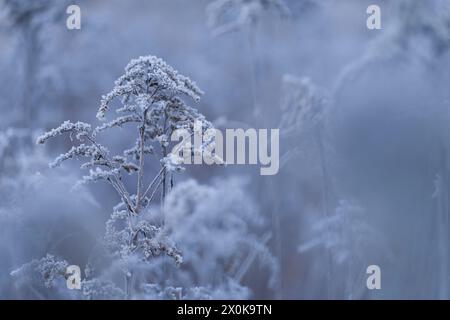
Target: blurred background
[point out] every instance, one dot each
(364, 148)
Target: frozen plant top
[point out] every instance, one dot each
(149, 79)
(150, 94)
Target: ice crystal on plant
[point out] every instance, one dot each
(79, 128)
(150, 93)
(148, 80)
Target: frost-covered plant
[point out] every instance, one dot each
(426, 22)
(304, 112)
(150, 93)
(48, 268)
(216, 224)
(304, 109)
(230, 15)
(51, 269)
(229, 289)
(303, 105)
(97, 289)
(216, 227)
(226, 16)
(350, 239)
(20, 160)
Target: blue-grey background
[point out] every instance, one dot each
(371, 188)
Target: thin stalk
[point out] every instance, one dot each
(141, 162)
(325, 203)
(153, 182)
(164, 172)
(250, 258)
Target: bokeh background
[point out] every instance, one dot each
(363, 118)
